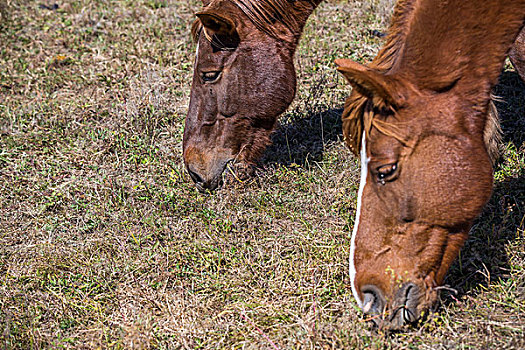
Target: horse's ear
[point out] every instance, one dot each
(382, 89)
(217, 24)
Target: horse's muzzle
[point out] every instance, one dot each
(207, 182)
(403, 310)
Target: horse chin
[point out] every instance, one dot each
(206, 170)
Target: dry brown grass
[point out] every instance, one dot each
(105, 243)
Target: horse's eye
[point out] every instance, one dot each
(210, 77)
(386, 173)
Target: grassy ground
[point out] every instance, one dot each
(105, 243)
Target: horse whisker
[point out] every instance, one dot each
(371, 318)
(232, 171)
(446, 287)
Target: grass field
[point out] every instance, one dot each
(105, 242)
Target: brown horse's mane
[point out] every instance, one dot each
(361, 116)
(359, 112)
(395, 41)
(264, 14)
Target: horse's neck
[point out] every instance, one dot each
(301, 11)
(463, 40)
(281, 19)
(389, 55)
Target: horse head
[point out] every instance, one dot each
(424, 179)
(244, 78)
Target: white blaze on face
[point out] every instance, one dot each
(196, 56)
(364, 172)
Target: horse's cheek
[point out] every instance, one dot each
(228, 96)
(451, 181)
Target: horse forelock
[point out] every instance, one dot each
(358, 116)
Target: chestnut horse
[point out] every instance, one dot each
(244, 78)
(417, 115)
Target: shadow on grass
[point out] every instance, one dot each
(300, 139)
(511, 107)
(484, 258)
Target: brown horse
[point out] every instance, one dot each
(417, 115)
(244, 78)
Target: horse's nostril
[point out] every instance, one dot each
(368, 302)
(373, 300)
(195, 177)
(412, 296)
(203, 185)
(408, 295)
(405, 308)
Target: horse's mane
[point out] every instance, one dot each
(358, 112)
(395, 41)
(264, 14)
